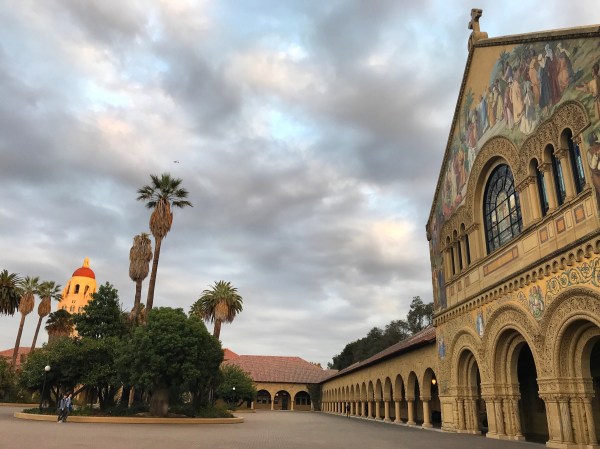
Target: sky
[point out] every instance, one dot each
(309, 135)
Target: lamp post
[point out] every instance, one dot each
(46, 371)
(234, 401)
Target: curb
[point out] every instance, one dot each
(130, 419)
(18, 404)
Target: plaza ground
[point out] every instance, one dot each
(261, 430)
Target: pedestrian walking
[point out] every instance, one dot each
(68, 406)
(61, 407)
(65, 405)
(348, 410)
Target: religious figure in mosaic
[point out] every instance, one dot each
(536, 302)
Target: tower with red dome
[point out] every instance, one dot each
(78, 291)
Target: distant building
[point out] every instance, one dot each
(21, 355)
(78, 291)
(282, 383)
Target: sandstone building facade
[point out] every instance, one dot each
(515, 249)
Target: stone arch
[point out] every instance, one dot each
(472, 410)
(378, 390)
(505, 317)
(497, 148)
(398, 388)
(411, 386)
(575, 304)
(468, 339)
(388, 391)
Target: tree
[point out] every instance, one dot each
(59, 324)
(420, 315)
(232, 376)
(161, 195)
(67, 362)
(170, 350)
(9, 293)
(219, 304)
(48, 291)
(102, 317)
(28, 288)
(140, 256)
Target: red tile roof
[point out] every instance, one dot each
(21, 355)
(422, 338)
(229, 354)
(266, 368)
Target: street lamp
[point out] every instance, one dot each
(234, 401)
(46, 371)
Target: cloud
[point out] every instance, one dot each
(309, 135)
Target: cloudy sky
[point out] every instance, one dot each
(308, 133)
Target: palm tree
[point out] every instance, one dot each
(140, 256)
(161, 195)
(9, 293)
(59, 324)
(49, 290)
(28, 287)
(219, 304)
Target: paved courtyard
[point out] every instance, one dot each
(262, 430)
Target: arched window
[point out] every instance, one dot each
(576, 163)
(559, 181)
(539, 175)
(502, 212)
(76, 288)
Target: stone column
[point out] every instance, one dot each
(589, 417)
(377, 409)
(563, 159)
(370, 409)
(252, 405)
(411, 412)
(555, 431)
(462, 425)
(273, 404)
(363, 409)
(386, 410)
(514, 407)
(491, 417)
(546, 169)
(463, 252)
(397, 419)
(475, 243)
(291, 404)
(565, 418)
(499, 417)
(426, 413)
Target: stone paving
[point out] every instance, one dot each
(261, 430)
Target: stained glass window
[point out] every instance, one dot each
(502, 211)
(559, 180)
(576, 164)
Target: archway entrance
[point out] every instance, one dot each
(471, 404)
(595, 373)
(263, 400)
(302, 401)
(531, 406)
(282, 400)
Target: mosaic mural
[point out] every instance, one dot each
(525, 85)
